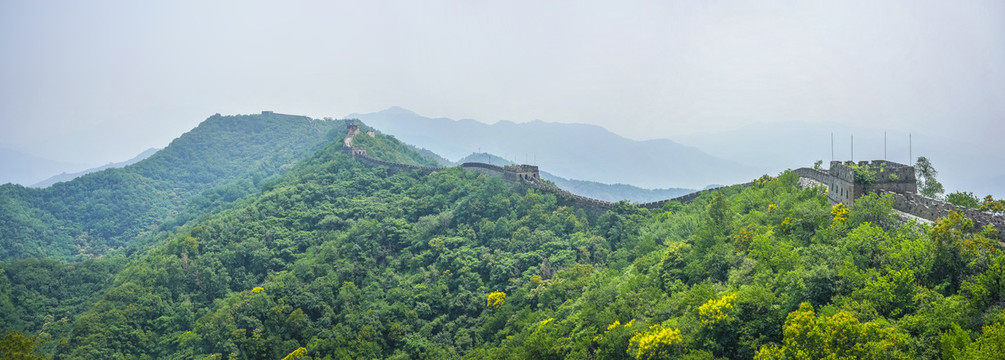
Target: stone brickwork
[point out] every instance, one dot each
(931, 209)
(688, 198)
(522, 172)
(512, 173)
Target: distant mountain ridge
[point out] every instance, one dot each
(574, 151)
(67, 177)
(24, 169)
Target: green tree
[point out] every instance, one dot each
(671, 266)
(925, 173)
(965, 199)
(17, 346)
(956, 248)
(874, 208)
(990, 344)
(614, 342)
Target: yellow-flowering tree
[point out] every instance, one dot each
(717, 331)
(840, 213)
(496, 299)
(299, 353)
(992, 205)
(548, 341)
(717, 311)
(657, 343)
(839, 336)
(613, 343)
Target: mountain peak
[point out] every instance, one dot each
(398, 110)
(578, 151)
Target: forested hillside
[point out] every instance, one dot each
(338, 260)
(224, 158)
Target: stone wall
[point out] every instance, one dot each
(359, 153)
(528, 175)
(512, 173)
(687, 198)
(483, 168)
(931, 209)
(393, 167)
(839, 181)
(593, 207)
(821, 177)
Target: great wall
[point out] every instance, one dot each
(892, 178)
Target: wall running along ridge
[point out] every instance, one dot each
(839, 181)
(524, 174)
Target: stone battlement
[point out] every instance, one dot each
(931, 209)
(512, 173)
(687, 198)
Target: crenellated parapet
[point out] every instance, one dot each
(844, 185)
(931, 209)
(688, 198)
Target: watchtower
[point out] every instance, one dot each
(351, 130)
(848, 181)
(523, 172)
(357, 150)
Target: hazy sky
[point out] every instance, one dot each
(94, 81)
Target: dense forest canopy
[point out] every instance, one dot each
(337, 260)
